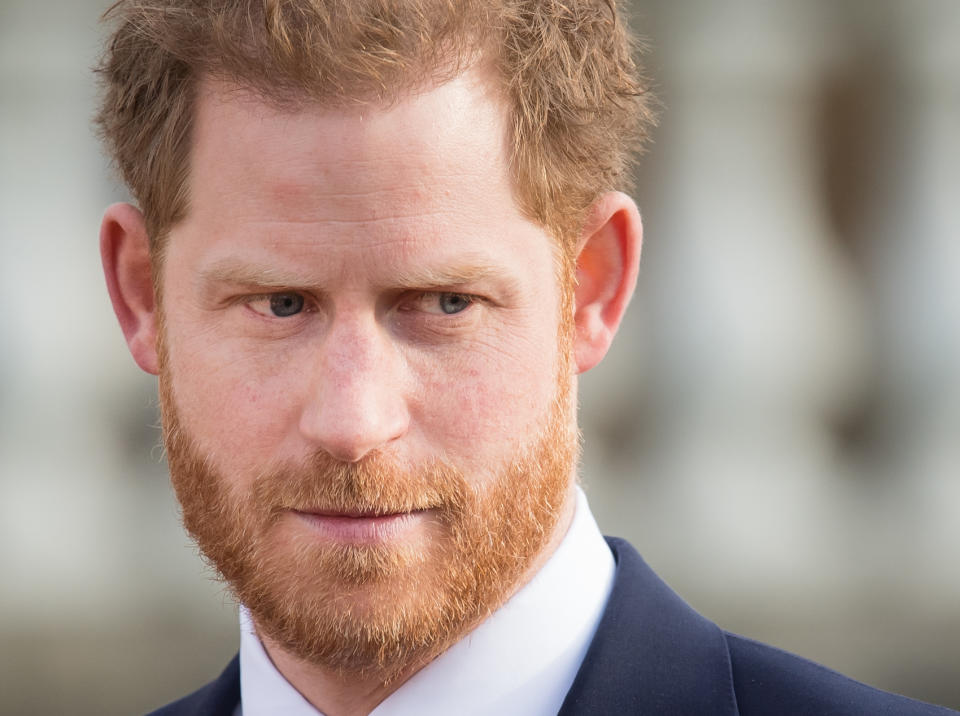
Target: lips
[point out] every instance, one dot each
(361, 526)
(355, 514)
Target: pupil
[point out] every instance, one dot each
(452, 303)
(286, 304)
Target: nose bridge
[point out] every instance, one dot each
(352, 348)
(357, 403)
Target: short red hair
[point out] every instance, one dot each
(578, 105)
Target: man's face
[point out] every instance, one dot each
(365, 376)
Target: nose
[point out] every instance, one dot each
(357, 402)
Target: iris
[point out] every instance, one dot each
(286, 304)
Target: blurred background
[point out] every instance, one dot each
(776, 429)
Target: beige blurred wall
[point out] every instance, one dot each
(775, 429)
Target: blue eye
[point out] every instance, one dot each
(284, 305)
(453, 302)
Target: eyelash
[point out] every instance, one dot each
(470, 300)
(310, 306)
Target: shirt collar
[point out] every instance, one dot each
(522, 660)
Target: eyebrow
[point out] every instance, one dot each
(438, 277)
(240, 273)
(243, 274)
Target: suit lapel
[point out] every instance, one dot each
(218, 698)
(224, 696)
(652, 653)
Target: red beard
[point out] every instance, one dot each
(380, 607)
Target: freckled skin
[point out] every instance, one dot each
(320, 195)
(345, 211)
(356, 317)
(342, 290)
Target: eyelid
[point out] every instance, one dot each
(412, 297)
(309, 305)
(436, 294)
(446, 292)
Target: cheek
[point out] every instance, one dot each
(233, 406)
(488, 402)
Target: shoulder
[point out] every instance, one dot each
(652, 653)
(768, 680)
(218, 698)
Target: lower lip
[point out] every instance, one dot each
(363, 530)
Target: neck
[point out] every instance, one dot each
(337, 693)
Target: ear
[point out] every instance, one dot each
(608, 260)
(125, 252)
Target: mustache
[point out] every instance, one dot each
(376, 484)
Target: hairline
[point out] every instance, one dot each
(212, 81)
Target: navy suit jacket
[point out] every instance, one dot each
(653, 655)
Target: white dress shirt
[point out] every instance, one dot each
(521, 661)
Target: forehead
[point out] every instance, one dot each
(424, 177)
(441, 139)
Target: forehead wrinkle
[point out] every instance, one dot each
(286, 204)
(365, 221)
(241, 272)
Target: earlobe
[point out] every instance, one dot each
(608, 261)
(125, 252)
